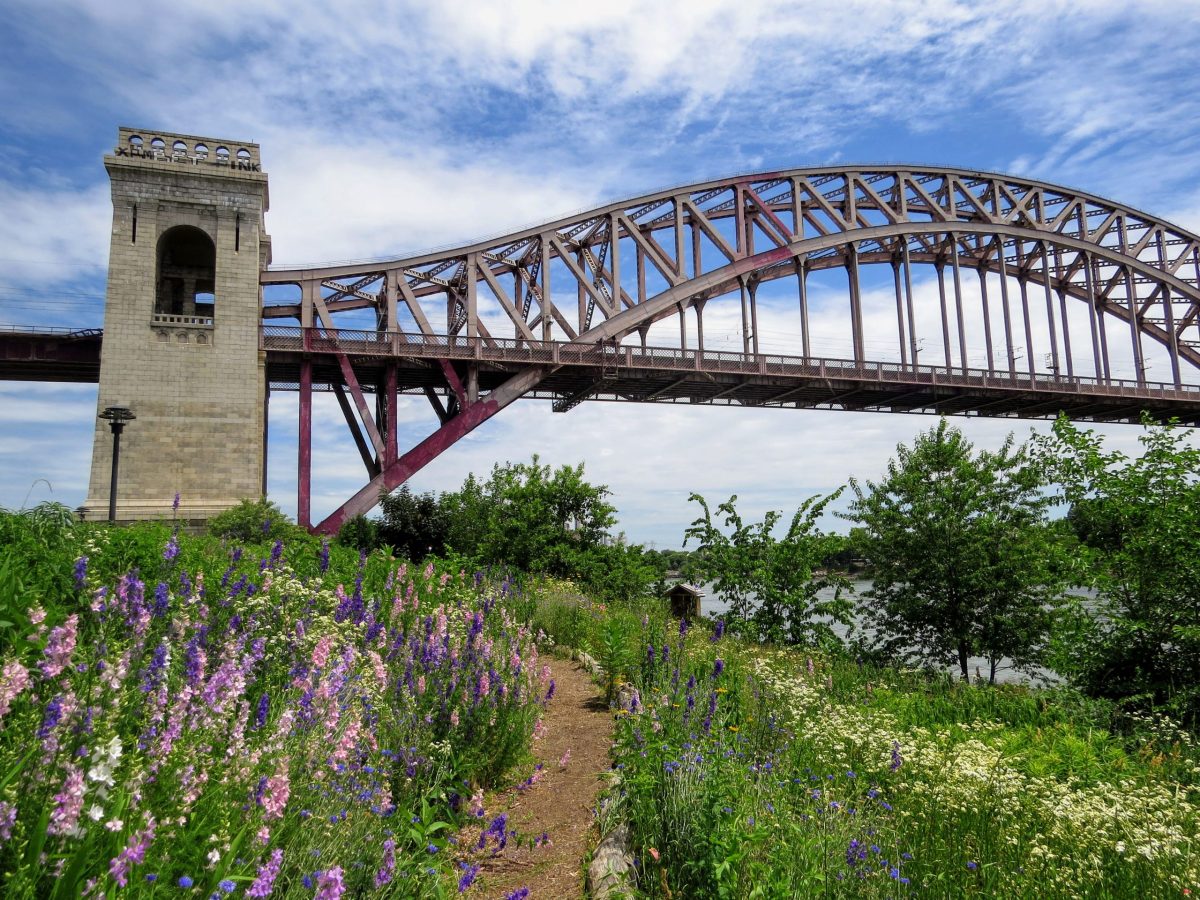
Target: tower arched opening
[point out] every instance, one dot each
(186, 277)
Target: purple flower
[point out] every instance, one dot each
(51, 719)
(81, 567)
(266, 875)
(719, 631)
(153, 675)
(897, 759)
(550, 690)
(172, 549)
(972, 865)
(384, 875)
(162, 599)
(718, 668)
(264, 707)
(468, 877)
(175, 503)
(518, 894)
(683, 627)
(133, 853)
(329, 884)
(324, 565)
(8, 818)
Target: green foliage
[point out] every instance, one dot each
(538, 519)
(414, 525)
(887, 783)
(1139, 524)
(36, 552)
(962, 561)
(360, 533)
(772, 585)
(252, 521)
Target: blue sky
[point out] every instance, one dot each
(387, 128)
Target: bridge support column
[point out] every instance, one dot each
(304, 460)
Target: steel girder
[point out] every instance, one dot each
(631, 264)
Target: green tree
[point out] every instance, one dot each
(1139, 522)
(539, 519)
(962, 561)
(771, 585)
(253, 520)
(414, 525)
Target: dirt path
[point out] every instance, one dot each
(561, 804)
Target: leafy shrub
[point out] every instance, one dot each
(252, 521)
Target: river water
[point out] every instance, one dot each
(713, 606)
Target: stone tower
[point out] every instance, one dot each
(181, 323)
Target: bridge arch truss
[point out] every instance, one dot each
(566, 310)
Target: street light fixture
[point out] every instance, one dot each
(117, 416)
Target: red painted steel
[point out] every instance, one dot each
(304, 466)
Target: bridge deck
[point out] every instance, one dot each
(577, 372)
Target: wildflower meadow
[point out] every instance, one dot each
(751, 771)
(223, 721)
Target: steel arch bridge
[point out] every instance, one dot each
(564, 310)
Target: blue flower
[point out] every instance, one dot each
(185, 881)
(227, 886)
(972, 865)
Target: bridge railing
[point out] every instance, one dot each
(395, 344)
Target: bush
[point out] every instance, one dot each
(360, 533)
(252, 521)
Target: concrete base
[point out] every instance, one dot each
(190, 514)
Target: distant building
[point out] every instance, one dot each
(685, 601)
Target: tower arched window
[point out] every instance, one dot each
(187, 270)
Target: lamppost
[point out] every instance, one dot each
(117, 416)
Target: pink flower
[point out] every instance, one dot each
(420, 684)
(454, 718)
(329, 885)
(566, 758)
(68, 803)
(277, 792)
(60, 647)
(13, 680)
(320, 654)
(477, 804)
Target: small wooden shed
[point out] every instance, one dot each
(685, 601)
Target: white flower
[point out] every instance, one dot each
(214, 856)
(96, 812)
